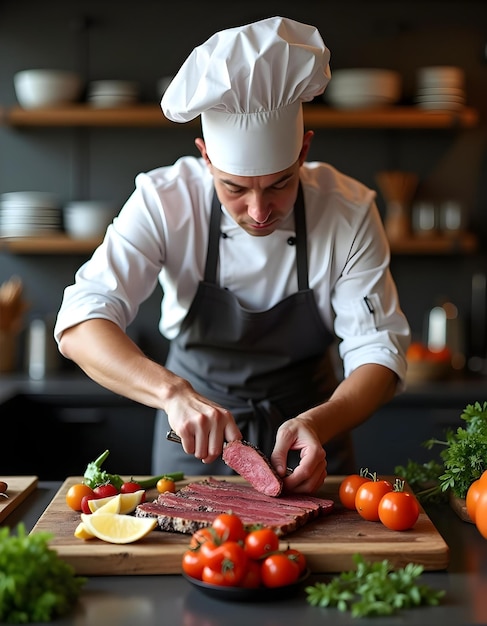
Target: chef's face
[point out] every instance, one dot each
(258, 203)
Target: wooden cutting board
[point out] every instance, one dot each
(328, 542)
(19, 488)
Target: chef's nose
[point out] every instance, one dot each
(258, 209)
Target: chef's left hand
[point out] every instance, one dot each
(296, 434)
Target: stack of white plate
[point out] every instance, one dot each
(441, 88)
(363, 88)
(29, 213)
(112, 93)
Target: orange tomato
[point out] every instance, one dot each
(348, 489)
(474, 491)
(166, 484)
(369, 496)
(481, 513)
(76, 493)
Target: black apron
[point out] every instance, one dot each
(263, 366)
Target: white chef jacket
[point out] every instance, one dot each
(161, 235)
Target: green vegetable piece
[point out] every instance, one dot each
(464, 457)
(373, 589)
(148, 483)
(94, 476)
(36, 585)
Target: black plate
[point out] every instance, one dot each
(240, 594)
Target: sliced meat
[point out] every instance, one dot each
(248, 461)
(197, 504)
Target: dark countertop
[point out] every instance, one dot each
(57, 387)
(169, 599)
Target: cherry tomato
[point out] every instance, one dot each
(348, 489)
(368, 497)
(85, 506)
(259, 543)
(398, 510)
(252, 578)
(105, 491)
(278, 570)
(200, 536)
(76, 493)
(131, 486)
(298, 557)
(229, 527)
(192, 563)
(166, 484)
(225, 565)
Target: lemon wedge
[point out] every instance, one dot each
(117, 528)
(122, 503)
(82, 532)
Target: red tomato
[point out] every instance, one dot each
(76, 493)
(398, 510)
(131, 486)
(260, 542)
(348, 489)
(252, 578)
(226, 565)
(298, 557)
(224, 556)
(279, 570)
(202, 535)
(192, 563)
(229, 527)
(105, 491)
(85, 507)
(368, 497)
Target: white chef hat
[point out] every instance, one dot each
(248, 84)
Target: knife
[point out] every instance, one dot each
(174, 437)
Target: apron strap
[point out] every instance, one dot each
(213, 240)
(301, 240)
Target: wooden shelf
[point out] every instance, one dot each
(464, 243)
(49, 244)
(62, 244)
(315, 116)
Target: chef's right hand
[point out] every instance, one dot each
(202, 425)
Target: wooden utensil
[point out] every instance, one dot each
(398, 189)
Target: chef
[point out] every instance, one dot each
(266, 262)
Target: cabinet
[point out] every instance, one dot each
(316, 116)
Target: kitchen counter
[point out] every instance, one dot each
(60, 386)
(169, 599)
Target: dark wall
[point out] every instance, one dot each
(148, 39)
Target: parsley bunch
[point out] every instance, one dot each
(374, 589)
(464, 457)
(36, 585)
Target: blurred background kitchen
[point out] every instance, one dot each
(416, 133)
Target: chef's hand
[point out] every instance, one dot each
(296, 434)
(203, 425)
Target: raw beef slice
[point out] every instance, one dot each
(248, 461)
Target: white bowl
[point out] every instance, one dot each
(40, 88)
(368, 87)
(86, 219)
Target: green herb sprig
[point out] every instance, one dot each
(36, 585)
(374, 589)
(464, 457)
